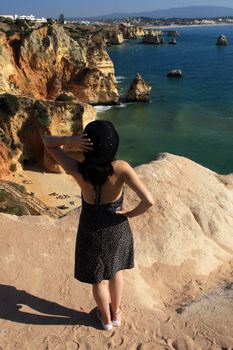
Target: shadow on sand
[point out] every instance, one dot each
(13, 299)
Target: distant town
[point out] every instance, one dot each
(145, 21)
(25, 17)
(134, 21)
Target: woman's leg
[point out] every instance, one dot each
(101, 296)
(116, 292)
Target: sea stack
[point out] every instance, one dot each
(172, 41)
(138, 91)
(175, 73)
(222, 40)
(153, 38)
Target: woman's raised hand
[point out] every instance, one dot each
(82, 142)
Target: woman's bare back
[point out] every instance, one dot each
(111, 190)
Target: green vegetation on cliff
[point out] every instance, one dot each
(41, 113)
(64, 98)
(9, 104)
(9, 205)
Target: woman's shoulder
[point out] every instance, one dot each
(120, 165)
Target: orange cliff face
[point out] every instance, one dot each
(42, 65)
(48, 61)
(22, 131)
(4, 160)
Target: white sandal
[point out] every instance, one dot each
(107, 327)
(116, 323)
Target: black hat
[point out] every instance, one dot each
(105, 141)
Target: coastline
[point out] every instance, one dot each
(187, 25)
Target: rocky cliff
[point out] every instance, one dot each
(180, 290)
(131, 32)
(5, 160)
(47, 61)
(21, 129)
(116, 38)
(153, 37)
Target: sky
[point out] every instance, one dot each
(88, 8)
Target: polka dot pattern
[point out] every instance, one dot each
(104, 243)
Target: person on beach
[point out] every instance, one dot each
(104, 245)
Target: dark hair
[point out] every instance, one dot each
(96, 174)
(97, 167)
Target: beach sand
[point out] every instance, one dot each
(43, 184)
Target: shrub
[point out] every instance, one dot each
(10, 32)
(3, 196)
(6, 139)
(21, 22)
(17, 209)
(50, 21)
(7, 20)
(13, 167)
(18, 145)
(18, 187)
(27, 32)
(41, 113)
(64, 98)
(10, 205)
(9, 104)
(72, 30)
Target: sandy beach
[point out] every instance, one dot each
(50, 188)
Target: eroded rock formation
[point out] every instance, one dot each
(131, 32)
(153, 37)
(116, 38)
(48, 61)
(139, 90)
(5, 161)
(22, 129)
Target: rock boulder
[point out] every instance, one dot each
(152, 38)
(138, 91)
(222, 40)
(175, 73)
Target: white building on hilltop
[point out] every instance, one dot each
(8, 16)
(29, 18)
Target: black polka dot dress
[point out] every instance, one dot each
(104, 243)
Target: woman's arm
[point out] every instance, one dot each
(53, 143)
(131, 178)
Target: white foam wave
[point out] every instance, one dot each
(119, 79)
(100, 109)
(121, 105)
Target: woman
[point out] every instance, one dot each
(104, 245)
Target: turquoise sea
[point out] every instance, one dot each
(191, 116)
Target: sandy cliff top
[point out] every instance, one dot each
(178, 296)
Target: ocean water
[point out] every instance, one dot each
(191, 116)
